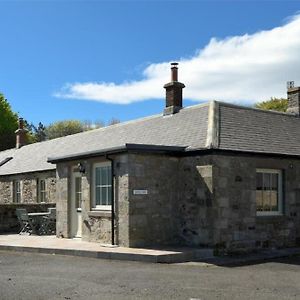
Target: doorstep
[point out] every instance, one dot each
(76, 247)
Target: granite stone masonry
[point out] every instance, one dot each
(28, 186)
(198, 201)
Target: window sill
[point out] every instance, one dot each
(269, 214)
(270, 218)
(100, 213)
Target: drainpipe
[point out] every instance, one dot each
(112, 201)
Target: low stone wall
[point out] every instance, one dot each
(8, 219)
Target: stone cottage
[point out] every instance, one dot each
(214, 174)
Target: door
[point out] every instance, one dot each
(76, 218)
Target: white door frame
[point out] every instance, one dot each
(75, 213)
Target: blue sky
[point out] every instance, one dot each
(97, 60)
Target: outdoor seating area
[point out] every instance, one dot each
(39, 223)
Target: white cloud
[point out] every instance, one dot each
(242, 69)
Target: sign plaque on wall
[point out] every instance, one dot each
(140, 192)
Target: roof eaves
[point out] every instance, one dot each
(86, 154)
(212, 139)
(155, 148)
(119, 149)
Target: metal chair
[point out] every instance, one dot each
(48, 225)
(25, 222)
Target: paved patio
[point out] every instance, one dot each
(76, 247)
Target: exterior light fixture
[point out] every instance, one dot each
(81, 168)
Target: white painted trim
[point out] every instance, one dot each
(75, 213)
(94, 206)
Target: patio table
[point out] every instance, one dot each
(38, 214)
(37, 219)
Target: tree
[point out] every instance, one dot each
(89, 125)
(8, 125)
(63, 128)
(113, 121)
(278, 104)
(38, 133)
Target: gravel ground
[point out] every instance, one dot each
(42, 276)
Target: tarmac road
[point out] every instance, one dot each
(41, 276)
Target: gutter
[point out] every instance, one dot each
(124, 148)
(220, 151)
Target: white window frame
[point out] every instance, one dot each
(17, 192)
(39, 191)
(94, 206)
(279, 212)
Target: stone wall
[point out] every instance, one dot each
(96, 225)
(62, 197)
(235, 193)
(197, 207)
(207, 200)
(217, 203)
(151, 215)
(28, 184)
(8, 219)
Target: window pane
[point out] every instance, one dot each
(259, 181)
(109, 195)
(104, 176)
(267, 191)
(103, 196)
(274, 201)
(97, 195)
(266, 181)
(17, 191)
(43, 185)
(78, 184)
(109, 175)
(103, 185)
(274, 182)
(259, 200)
(97, 176)
(78, 192)
(266, 200)
(78, 200)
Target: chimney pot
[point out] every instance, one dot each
(173, 92)
(174, 71)
(21, 123)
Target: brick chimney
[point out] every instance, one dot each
(173, 92)
(20, 134)
(293, 95)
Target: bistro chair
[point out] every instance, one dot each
(25, 222)
(48, 225)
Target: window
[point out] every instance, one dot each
(41, 190)
(17, 191)
(268, 192)
(78, 192)
(102, 188)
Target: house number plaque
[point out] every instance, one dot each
(140, 192)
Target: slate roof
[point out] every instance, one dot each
(186, 128)
(213, 125)
(260, 131)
